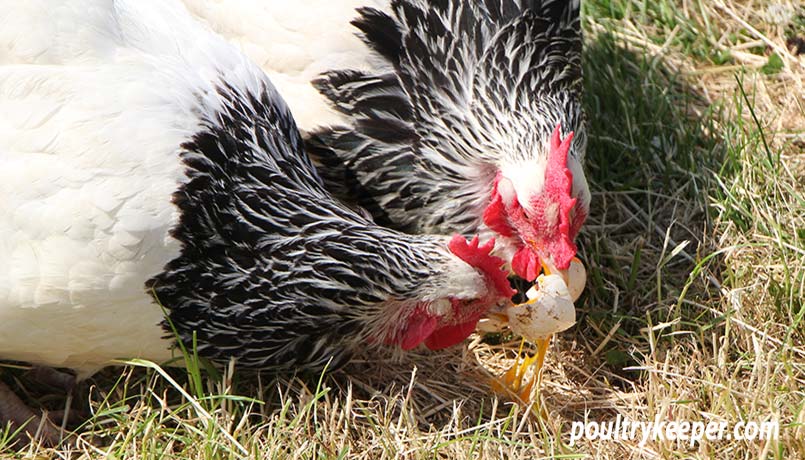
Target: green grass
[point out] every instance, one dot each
(694, 307)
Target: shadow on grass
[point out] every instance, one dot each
(650, 159)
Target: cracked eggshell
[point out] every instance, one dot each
(577, 276)
(549, 311)
(490, 325)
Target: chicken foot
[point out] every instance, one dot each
(34, 425)
(52, 378)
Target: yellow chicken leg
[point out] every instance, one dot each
(505, 384)
(542, 350)
(511, 382)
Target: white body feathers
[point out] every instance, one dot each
(294, 42)
(95, 99)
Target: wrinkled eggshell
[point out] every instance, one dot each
(549, 311)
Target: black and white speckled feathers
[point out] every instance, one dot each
(472, 86)
(274, 271)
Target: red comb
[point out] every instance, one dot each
(559, 184)
(479, 257)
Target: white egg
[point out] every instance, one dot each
(549, 311)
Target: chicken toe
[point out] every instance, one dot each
(52, 378)
(34, 426)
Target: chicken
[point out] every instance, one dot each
(474, 126)
(451, 118)
(145, 163)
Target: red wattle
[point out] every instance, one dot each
(525, 264)
(420, 327)
(450, 335)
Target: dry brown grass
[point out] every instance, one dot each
(694, 307)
